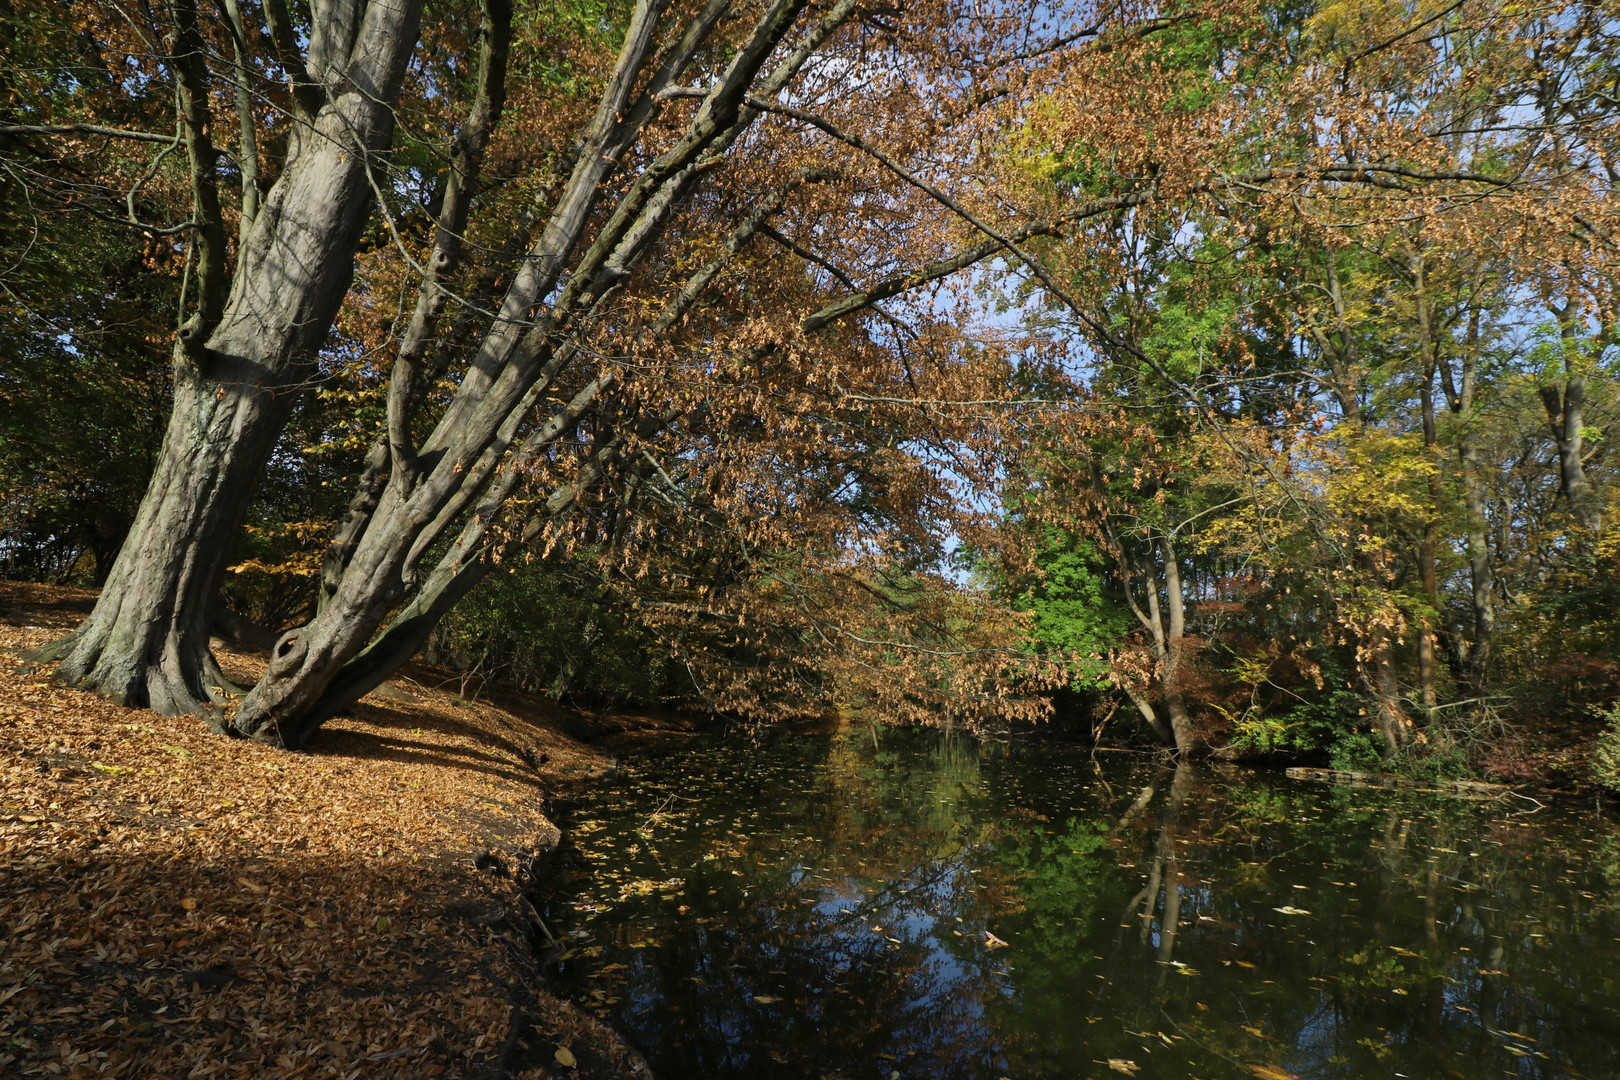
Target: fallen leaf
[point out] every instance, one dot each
(250, 886)
(1270, 1072)
(565, 1057)
(189, 903)
(766, 999)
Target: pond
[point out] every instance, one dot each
(911, 905)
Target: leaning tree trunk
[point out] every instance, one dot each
(461, 472)
(239, 369)
(146, 642)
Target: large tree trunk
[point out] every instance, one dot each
(146, 642)
(239, 367)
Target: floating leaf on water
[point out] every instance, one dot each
(766, 999)
(993, 942)
(1123, 1066)
(1290, 909)
(1271, 1072)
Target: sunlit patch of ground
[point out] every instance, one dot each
(173, 903)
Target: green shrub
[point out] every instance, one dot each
(1606, 751)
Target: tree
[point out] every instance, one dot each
(254, 329)
(619, 342)
(1474, 213)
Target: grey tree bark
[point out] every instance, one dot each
(1460, 390)
(1165, 621)
(240, 359)
(456, 476)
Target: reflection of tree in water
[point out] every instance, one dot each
(839, 926)
(1337, 933)
(1195, 924)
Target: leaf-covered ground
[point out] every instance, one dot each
(173, 903)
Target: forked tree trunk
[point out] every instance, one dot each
(240, 363)
(1175, 701)
(461, 472)
(1166, 624)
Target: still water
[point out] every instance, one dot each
(820, 906)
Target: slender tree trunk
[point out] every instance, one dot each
(1566, 413)
(1175, 702)
(1482, 577)
(1460, 397)
(1377, 654)
(1164, 731)
(238, 370)
(1566, 416)
(1429, 546)
(1166, 633)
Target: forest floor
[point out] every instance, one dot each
(173, 903)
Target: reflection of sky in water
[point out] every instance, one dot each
(820, 907)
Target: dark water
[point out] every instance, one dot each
(816, 907)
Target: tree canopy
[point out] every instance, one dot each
(1249, 361)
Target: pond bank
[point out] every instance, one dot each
(171, 900)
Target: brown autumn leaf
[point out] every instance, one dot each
(1271, 1072)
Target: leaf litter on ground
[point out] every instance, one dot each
(176, 904)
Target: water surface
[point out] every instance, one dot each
(820, 906)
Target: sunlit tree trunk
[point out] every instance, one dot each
(1165, 622)
(1174, 650)
(464, 470)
